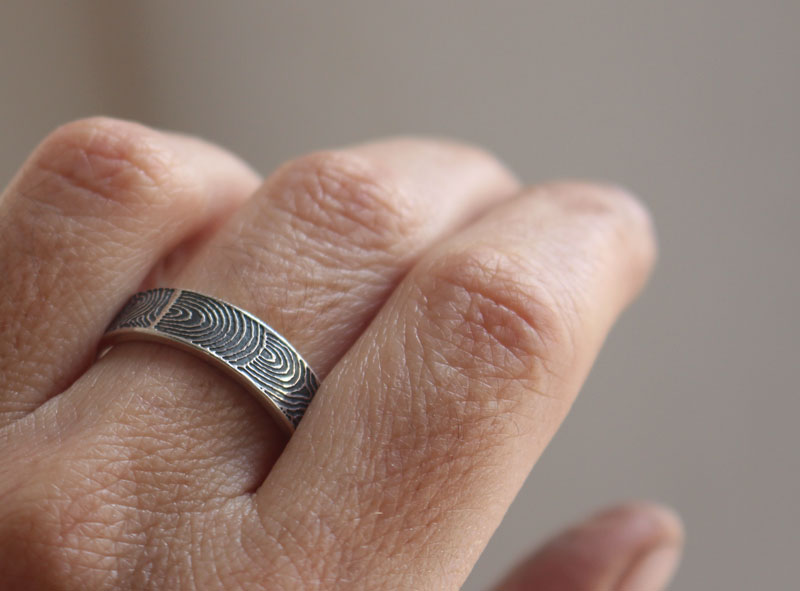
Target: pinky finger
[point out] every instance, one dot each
(94, 210)
(632, 547)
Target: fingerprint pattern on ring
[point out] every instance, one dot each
(247, 345)
(238, 340)
(142, 309)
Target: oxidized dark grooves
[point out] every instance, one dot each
(232, 336)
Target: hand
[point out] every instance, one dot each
(451, 313)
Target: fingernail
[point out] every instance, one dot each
(652, 571)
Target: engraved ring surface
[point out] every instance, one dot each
(229, 338)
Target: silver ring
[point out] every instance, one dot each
(229, 338)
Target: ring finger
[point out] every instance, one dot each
(314, 254)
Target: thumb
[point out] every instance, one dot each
(633, 547)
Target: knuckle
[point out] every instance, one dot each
(339, 194)
(485, 339)
(94, 164)
(493, 339)
(496, 316)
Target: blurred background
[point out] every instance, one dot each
(692, 104)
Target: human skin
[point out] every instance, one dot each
(451, 313)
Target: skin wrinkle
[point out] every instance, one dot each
(289, 554)
(386, 510)
(56, 552)
(539, 305)
(345, 187)
(326, 545)
(478, 332)
(124, 200)
(347, 290)
(190, 425)
(494, 278)
(118, 157)
(240, 559)
(133, 479)
(253, 555)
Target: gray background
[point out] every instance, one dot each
(693, 104)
